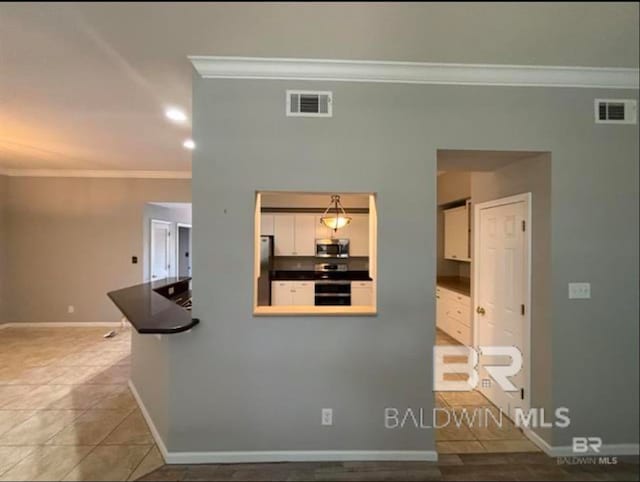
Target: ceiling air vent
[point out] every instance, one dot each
(305, 103)
(616, 111)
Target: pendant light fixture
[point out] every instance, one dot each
(334, 216)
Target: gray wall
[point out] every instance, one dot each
(261, 381)
(530, 175)
(70, 241)
(3, 246)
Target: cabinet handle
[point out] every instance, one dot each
(438, 296)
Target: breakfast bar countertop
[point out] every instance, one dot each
(149, 311)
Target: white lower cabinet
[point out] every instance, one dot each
(292, 293)
(453, 315)
(304, 293)
(361, 293)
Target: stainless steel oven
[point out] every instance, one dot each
(333, 293)
(330, 291)
(332, 248)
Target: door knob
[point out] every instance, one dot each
(480, 310)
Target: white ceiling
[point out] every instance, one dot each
(84, 86)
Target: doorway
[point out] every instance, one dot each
(487, 264)
(183, 250)
(160, 265)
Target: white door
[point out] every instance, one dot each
(501, 293)
(160, 250)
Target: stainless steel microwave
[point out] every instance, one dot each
(332, 248)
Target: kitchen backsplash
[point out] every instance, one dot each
(307, 263)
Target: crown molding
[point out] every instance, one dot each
(215, 67)
(96, 174)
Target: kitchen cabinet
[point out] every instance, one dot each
(284, 234)
(456, 233)
(322, 232)
(359, 235)
(266, 224)
(361, 293)
(292, 293)
(453, 315)
(305, 235)
(294, 234)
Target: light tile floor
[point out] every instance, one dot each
(66, 412)
(483, 436)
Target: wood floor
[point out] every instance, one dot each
(474, 467)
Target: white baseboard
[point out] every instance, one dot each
(61, 324)
(237, 457)
(224, 457)
(605, 450)
(154, 431)
(567, 450)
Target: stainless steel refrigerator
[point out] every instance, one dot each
(266, 262)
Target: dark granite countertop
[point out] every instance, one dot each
(151, 312)
(318, 276)
(459, 285)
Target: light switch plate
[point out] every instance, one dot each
(327, 416)
(579, 291)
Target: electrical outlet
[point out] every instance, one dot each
(327, 416)
(71, 309)
(579, 291)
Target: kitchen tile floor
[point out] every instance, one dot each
(66, 412)
(482, 436)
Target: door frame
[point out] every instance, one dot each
(178, 226)
(151, 249)
(526, 356)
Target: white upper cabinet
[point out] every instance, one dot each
(357, 232)
(294, 234)
(322, 232)
(266, 224)
(284, 234)
(456, 233)
(305, 235)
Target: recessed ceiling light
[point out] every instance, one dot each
(189, 144)
(175, 115)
